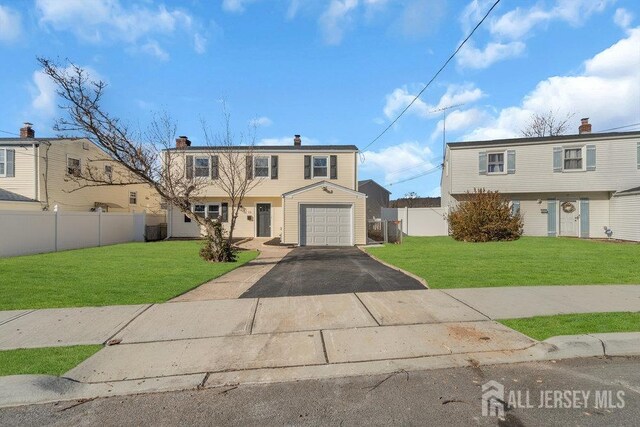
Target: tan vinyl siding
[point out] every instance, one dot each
(23, 182)
(625, 217)
(319, 196)
(19, 206)
(616, 168)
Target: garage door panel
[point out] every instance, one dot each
(325, 225)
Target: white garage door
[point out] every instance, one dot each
(325, 225)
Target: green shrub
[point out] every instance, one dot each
(484, 216)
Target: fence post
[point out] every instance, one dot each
(406, 215)
(55, 228)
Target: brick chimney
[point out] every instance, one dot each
(297, 142)
(182, 142)
(585, 126)
(27, 131)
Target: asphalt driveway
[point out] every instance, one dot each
(321, 271)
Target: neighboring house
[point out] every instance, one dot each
(377, 197)
(16, 202)
(417, 202)
(585, 185)
(45, 170)
(307, 195)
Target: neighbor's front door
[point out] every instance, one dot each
(264, 220)
(569, 218)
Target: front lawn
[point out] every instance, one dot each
(45, 361)
(447, 263)
(130, 273)
(543, 327)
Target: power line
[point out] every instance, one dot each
(435, 75)
(9, 133)
(620, 127)
(430, 171)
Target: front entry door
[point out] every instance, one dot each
(264, 219)
(569, 218)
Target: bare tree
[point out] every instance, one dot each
(411, 197)
(547, 124)
(146, 157)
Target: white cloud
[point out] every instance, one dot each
(472, 57)
(235, 6)
(607, 91)
(100, 21)
(400, 161)
(199, 43)
(397, 100)
(10, 24)
(260, 122)
(458, 120)
(153, 48)
(335, 18)
(623, 18)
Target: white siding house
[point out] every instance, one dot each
(583, 185)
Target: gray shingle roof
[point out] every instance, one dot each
(541, 139)
(8, 196)
(275, 148)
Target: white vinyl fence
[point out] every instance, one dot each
(31, 232)
(419, 221)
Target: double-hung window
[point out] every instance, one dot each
(73, 166)
(201, 169)
(320, 166)
(133, 198)
(200, 210)
(3, 162)
(573, 159)
(495, 163)
(108, 172)
(207, 211)
(261, 167)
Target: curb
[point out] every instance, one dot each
(393, 267)
(19, 390)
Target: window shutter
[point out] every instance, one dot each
(189, 168)
(638, 155)
(552, 205)
(307, 167)
(249, 167)
(591, 157)
(11, 163)
(482, 163)
(515, 207)
(224, 214)
(333, 161)
(214, 167)
(274, 167)
(557, 159)
(511, 161)
(584, 218)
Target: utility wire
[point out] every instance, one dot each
(9, 133)
(435, 75)
(620, 127)
(430, 171)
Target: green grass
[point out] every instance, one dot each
(131, 273)
(447, 263)
(543, 327)
(47, 361)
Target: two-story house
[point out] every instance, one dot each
(46, 171)
(377, 197)
(307, 194)
(585, 185)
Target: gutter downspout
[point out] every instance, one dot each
(36, 155)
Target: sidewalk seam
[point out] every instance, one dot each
(19, 316)
(128, 323)
(367, 308)
(604, 348)
(324, 347)
(462, 302)
(253, 318)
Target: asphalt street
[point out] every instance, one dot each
(594, 391)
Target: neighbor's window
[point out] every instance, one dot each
(133, 198)
(108, 172)
(3, 162)
(320, 169)
(202, 167)
(73, 166)
(261, 167)
(200, 210)
(213, 211)
(495, 163)
(573, 158)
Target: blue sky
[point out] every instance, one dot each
(335, 71)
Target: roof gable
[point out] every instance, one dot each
(323, 184)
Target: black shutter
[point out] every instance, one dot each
(214, 167)
(307, 167)
(249, 167)
(225, 212)
(274, 167)
(334, 167)
(189, 168)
